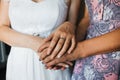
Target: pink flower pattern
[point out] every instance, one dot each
(105, 17)
(116, 2)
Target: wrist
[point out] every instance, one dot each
(81, 50)
(77, 53)
(73, 26)
(36, 43)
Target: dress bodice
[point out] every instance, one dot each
(41, 18)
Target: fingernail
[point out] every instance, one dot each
(48, 52)
(66, 66)
(58, 56)
(69, 52)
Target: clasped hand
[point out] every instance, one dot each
(60, 42)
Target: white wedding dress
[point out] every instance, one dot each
(32, 18)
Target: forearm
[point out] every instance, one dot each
(17, 39)
(102, 44)
(83, 25)
(106, 43)
(74, 12)
(82, 29)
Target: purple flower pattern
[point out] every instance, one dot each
(105, 17)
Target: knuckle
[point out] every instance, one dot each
(57, 35)
(54, 40)
(64, 34)
(60, 43)
(50, 48)
(63, 51)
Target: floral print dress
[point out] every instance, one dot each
(105, 17)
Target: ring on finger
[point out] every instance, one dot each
(62, 38)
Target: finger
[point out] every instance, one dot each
(72, 46)
(51, 67)
(69, 63)
(63, 65)
(63, 68)
(47, 59)
(56, 61)
(57, 67)
(64, 48)
(49, 38)
(57, 48)
(52, 44)
(43, 54)
(44, 46)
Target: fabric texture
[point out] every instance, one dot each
(104, 18)
(33, 18)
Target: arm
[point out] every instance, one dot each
(66, 30)
(58, 47)
(73, 11)
(10, 36)
(83, 25)
(106, 43)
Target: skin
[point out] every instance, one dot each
(81, 30)
(12, 37)
(17, 39)
(68, 27)
(57, 46)
(90, 47)
(82, 26)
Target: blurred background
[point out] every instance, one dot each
(4, 51)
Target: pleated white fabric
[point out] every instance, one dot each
(32, 18)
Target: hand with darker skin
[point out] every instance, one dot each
(90, 47)
(65, 58)
(61, 66)
(62, 41)
(58, 43)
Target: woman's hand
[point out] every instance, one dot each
(43, 53)
(67, 57)
(62, 41)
